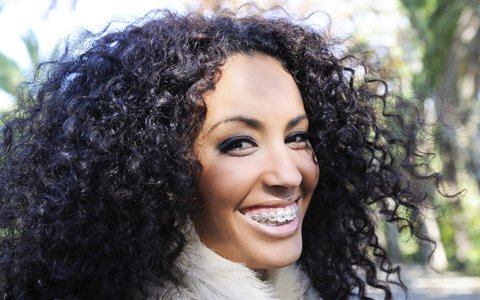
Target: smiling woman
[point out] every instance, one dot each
(257, 166)
(204, 157)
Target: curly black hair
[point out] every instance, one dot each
(97, 171)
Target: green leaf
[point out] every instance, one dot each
(10, 74)
(31, 42)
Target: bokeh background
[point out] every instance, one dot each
(432, 48)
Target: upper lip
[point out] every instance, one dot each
(272, 203)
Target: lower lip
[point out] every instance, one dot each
(276, 232)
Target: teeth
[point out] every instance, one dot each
(274, 218)
(263, 217)
(281, 216)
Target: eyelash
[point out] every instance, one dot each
(237, 143)
(291, 138)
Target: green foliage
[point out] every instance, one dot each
(474, 256)
(435, 22)
(438, 27)
(10, 74)
(409, 247)
(31, 42)
(448, 235)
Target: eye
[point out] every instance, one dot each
(297, 140)
(237, 146)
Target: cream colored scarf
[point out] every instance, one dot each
(208, 275)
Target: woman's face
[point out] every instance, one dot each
(258, 170)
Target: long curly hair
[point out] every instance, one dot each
(97, 173)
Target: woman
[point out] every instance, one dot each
(204, 157)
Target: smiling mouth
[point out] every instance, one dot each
(274, 216)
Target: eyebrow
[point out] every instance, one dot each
(294, 122)
(254, 123)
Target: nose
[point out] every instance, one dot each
(281, 170)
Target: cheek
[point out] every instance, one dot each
(315, 175)
(310, 172)
(212, 181)
(226, 182)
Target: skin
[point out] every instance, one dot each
(257, 105)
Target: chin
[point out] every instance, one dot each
(277, 257)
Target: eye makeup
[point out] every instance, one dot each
(297, 140)
(236, 144)
(241, 144)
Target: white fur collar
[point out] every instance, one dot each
(210, 276)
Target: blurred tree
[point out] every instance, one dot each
(450, 35)
(11, 74)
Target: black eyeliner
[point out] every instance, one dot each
(228, 144)
(302, 134)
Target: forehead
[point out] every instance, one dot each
(255, 73)
(254, 84)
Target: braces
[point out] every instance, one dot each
(281, 217)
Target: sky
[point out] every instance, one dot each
(376, 21)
